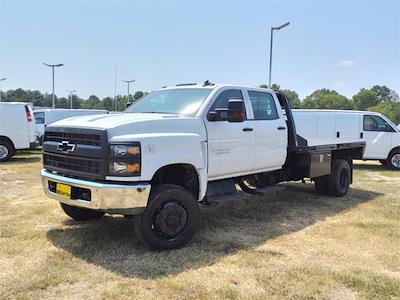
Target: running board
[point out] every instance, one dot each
(239, 195)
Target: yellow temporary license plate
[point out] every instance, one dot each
(63, 190)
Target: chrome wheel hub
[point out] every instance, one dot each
(3, 151)
(396, 160)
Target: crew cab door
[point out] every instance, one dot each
(270, 131)
(378, 135)
(230, 144)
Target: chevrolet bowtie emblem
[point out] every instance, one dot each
(65, 146)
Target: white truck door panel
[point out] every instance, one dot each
(347, 127)
(230, 148)
(270, 132)
(377, 136)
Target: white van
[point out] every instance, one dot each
(17, 128)
(44, 117)
(382, 137)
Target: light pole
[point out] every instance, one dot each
(2, 79)
(52, 95)
(128, 82)
(70, 94)
(270, 51)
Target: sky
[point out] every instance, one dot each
(340, 45)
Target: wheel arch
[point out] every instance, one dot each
(397, 148)
(7, 139)
(181, 174)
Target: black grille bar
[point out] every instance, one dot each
(76, 138)
(87, 160)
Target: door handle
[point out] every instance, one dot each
(361, 135)
(247, 129)
(281, 128)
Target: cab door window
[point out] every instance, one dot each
(263, 105)
(375, 123)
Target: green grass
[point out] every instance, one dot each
(289, 245)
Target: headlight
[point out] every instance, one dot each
(124, 159)
(124, 150)
(124, 169)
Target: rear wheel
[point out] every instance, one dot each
(393, 160)
(170, 219)
(338, 182)
(80, 214)
(6, 151)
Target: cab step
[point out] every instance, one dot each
(239, 195)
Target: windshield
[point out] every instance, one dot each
(171, 101)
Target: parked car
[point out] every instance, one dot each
(44, 117)
(17, 129)
(382, 137)
(183, 145)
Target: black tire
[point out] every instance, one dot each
(6, 151)
(172, 203)
(393, 161)
(80, 214)
(321, 185)
(338, 182)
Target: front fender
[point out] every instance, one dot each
(160, 150)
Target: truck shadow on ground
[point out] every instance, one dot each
(372, 168)
(23, 160)
(225, 229)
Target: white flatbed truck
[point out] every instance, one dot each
(180, 146)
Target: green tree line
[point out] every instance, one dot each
(378, 98)
(45, 100)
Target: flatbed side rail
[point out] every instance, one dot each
(358, 148)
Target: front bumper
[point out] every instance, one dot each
(111, 198)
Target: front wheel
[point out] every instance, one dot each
(80, 214)
(393, 160)
(170, 219)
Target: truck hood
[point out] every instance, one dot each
(136, 123)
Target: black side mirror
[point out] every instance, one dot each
(213, 116)
(236, 110)
(128, 104)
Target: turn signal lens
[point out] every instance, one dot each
(133, 168)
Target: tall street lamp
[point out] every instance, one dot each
(70, 95)
(270, 51)
(2, 79)
(128, 82)
(52, 68)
